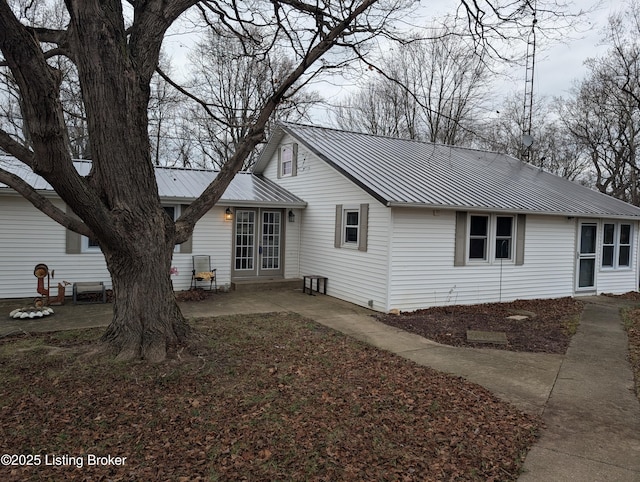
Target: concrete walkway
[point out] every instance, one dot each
(585, 398)
(593, 415)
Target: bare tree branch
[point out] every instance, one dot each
(42, 203)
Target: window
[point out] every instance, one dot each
(490, 234)
(171, 211)
(504, 237)
(488, 238)
(287, 165)
(616, 245)
(90, 245)
(351, 226)
(174, 213)
(608, 245)
(478, 237)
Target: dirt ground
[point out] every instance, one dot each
(547, 328)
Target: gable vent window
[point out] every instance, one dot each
(288, 160)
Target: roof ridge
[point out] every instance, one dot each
(176, 168)
(395, 138)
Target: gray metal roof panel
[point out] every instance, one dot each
(183, 184)
(408, 172)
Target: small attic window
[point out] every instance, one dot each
(288, 160)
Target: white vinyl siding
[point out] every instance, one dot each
(423, 272)
(29, 237)
(212, 237)
(292, 246)
(354, 275)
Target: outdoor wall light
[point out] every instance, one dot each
(228, 215)
(292, 217)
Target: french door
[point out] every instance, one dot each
(586, 256)
(258, 243)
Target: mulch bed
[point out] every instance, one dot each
(547, 329)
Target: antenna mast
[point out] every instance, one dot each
(527, 111)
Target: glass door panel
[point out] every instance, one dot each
(245, 241)
(258, 243)
(587, 256)
(270, 248)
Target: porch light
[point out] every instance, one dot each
(228, 215)
(292, 217)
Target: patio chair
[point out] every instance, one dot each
(203, 273)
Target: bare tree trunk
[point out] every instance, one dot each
(147, 321)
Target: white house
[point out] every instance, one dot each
(391, 223)
(402, 224)
(258, 211)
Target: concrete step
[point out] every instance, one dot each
(253, 285)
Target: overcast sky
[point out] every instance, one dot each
(557, 67)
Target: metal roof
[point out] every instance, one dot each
(401, 172)
(177, 184)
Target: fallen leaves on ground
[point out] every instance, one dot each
(630, 296)
(261, 397)
(547, 328)
(632, 324)
(194, 295)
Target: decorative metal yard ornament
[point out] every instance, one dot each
(41, 271)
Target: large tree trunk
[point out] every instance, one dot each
(147, 322)
(137, 237)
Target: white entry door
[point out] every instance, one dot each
(586, 257)
(258, 243)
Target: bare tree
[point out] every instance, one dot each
(383, 106)
(233, 77)
(75, 120)
(554, 149)
(166, 106)
(604, 114)
(428, 90)
(10, 115)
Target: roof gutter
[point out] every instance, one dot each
(241, 203)
(480, 209)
